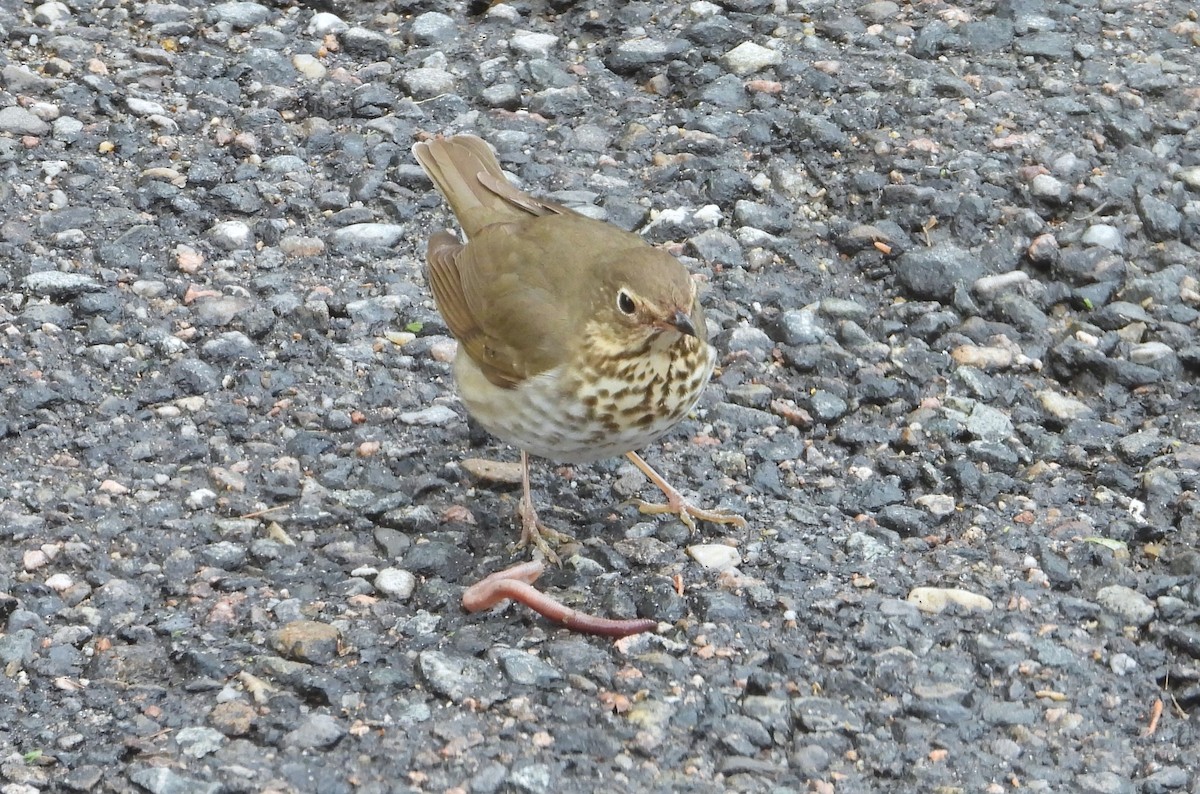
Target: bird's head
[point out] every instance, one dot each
(647, 294)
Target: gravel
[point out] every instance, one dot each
(950, 256)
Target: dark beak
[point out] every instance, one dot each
(683, 324)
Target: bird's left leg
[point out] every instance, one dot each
(676, 504)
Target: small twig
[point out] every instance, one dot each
(516, 583)
(1093, 213)
(264, 511)
(1156, 711)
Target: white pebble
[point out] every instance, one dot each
(715, 556)
(201, 498)
(60, 582)
(395, 582)
(748, 57)
(937, 599)
(325, 23)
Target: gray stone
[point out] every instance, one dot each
(1126, 603)
(933, 273)
(19, 121)
(532, 45)
(717, 246)
(434, 415)
(60, 285)
(240, 15)
(316, 731)
(434, 28)
(425, 83)
(1050, 189)
(630, 56)
(1160, 220)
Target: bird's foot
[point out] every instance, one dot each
(688, 513)
(539, 536)
(676, 504)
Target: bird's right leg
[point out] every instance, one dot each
(533, 531)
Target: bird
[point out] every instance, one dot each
(577, 340)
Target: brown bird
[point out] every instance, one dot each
(577, 340)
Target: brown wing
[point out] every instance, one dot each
(500, 322)
(446, 283)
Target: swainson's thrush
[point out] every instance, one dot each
(577, 340)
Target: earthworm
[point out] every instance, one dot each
(516, 583)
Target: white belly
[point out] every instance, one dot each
(553, 418)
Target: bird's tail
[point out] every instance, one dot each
(466, 172)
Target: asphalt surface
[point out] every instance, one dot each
(949, 256)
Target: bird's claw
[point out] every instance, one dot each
(689, 513)
(539, 536)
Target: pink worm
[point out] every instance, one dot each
(517, 583)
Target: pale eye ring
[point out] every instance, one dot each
(625, 303)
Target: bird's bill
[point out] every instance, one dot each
(679, 321)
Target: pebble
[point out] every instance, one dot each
(938, 599)
(1104, 235)
(60, 285)
(144, 107)
(745, 339)
(630, 56)
(715, 556)
(308, 66)
(426, 83)
(19, 121)
(989, 424)
(240, 15)
(748, 58)
(525, 669)
(983, 358)
(799, 327)
(1050, 189)
(307, 641)
(315, 731)
(532, 45)
(324, 23)
(717, 247)
(53, 15)
(493, 470)
(232, 235)
(396, 583)
(199, 741)
(434, 415)
(434, 28)
(201, 498)
(1128, 604)
(933, 273)
(991, 286)
(457, 678)
(1062, 407)
(939, 505)
(369, 235)
(161, 780)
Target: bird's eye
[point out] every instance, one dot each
(625, 303)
